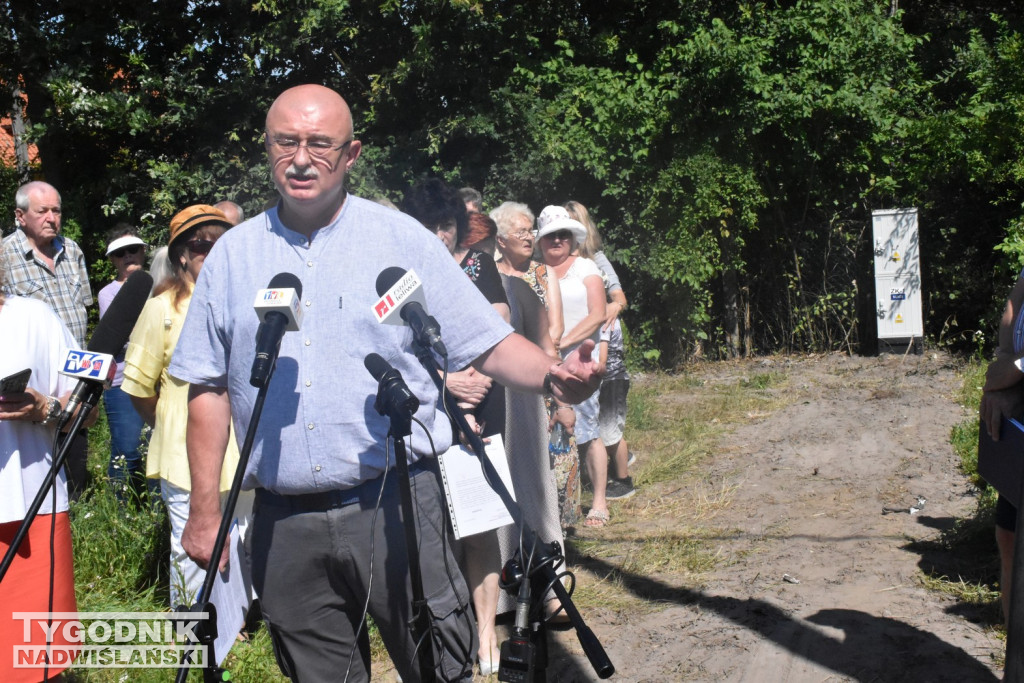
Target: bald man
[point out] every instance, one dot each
(232, 210)
(322, 545)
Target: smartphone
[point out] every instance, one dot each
(16, 383)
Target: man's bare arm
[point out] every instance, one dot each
(209, 421)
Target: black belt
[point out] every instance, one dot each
(308, 502)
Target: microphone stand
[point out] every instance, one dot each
(206, 631)
(58, 461)
(542, 575)
(400, 414)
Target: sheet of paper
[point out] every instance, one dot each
(231, 594)
(474, 506)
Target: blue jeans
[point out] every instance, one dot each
(127, 444)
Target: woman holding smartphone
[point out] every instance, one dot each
(33, 338)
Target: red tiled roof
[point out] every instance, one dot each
(7, 153)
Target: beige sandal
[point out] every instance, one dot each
(596, 518)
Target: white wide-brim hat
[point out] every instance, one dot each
(554, 218)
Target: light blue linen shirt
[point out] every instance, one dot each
(318, 430)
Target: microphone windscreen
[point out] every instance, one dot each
(387, 279)
(113, 330)
(286, 281)
(376, 365)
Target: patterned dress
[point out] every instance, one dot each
(566, 466)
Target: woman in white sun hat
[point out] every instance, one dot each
(583, 312)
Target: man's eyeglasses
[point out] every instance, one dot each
(563, 235)
(318, 149)
(133, 249)
(199, 247)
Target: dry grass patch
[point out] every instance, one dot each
(694, 501)
(616, 568)
(674, 424)
(709, 503)
(970, 592)
(676, 421)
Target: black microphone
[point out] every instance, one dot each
(278, 309)
(109, 337)
(393, 393)
(403, 290)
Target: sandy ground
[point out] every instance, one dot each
(820, 551)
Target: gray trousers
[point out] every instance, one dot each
(315, 570)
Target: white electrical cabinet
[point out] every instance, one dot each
(897, 277)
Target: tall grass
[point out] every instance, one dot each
(964, 435)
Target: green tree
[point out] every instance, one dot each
(732, 152)
(730, 163)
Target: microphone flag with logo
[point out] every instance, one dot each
(278, 309)
(402, 302)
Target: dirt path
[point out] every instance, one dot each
(819, 549)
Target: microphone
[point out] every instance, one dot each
(278, 310)
(393, 393)
(401, 292)
(94, 368)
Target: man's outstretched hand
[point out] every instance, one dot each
(578, 376)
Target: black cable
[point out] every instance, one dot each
(53, 552)
(467, 655)
(444, 401)
(369, 591)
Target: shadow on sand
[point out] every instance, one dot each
(864, 651)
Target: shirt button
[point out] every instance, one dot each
(308, 342)
(309, 383)
(310, 425)
(308, 302)
(309, 264)
(317, 468)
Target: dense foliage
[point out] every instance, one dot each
(732, 152)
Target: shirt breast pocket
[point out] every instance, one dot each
(29, 288)
(78, 292)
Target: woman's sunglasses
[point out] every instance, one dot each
(562, 235)
(133, 249)
(199, 247)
